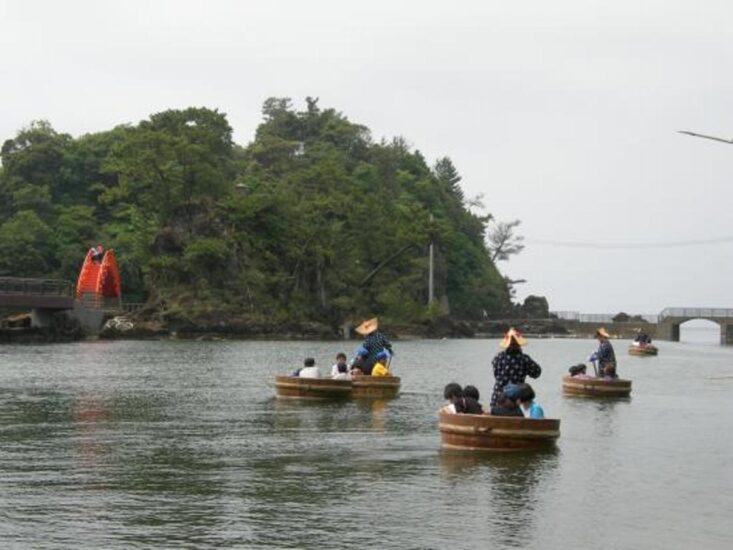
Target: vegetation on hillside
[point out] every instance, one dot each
(312, 221)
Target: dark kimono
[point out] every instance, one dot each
(512, 367)
(606, 359)
(374, 343)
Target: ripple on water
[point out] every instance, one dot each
(181, 444)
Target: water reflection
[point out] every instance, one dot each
(87, 416)
(514, 482)
(329, 416)
(602, 412)
(374, 408)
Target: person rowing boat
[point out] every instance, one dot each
(512, 366)
(604, 356)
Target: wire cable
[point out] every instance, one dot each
(629, 246)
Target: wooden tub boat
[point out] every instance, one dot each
(643, 350)
(360, 387)
(375, 387)
(293, 387)
(480, 432)
(596, 387)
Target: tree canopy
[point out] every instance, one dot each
(311, 221)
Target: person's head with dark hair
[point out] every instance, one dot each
(341, 362)
(309, 362)
(526, 394)
(471, 391)
(452, 392)
(505, 401)
(341, 365)
(577, 369)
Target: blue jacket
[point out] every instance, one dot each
(535, 411)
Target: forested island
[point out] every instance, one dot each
(313, 223)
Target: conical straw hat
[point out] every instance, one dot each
(368, 326)
(513, 334)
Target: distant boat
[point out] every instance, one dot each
(327, 389)
(596, 387)
(642, 349)
(483, 432)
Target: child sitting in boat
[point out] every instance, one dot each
(530, 409)
(458, 403)
(340, 370)
(358, 364)
(506, 403)
(380, 367)
(309, 369)
(472, 392)
(578, 371)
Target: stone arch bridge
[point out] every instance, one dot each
(670, 319)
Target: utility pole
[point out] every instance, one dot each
(431, 294)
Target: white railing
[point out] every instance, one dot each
(598, 317)
(696, 313)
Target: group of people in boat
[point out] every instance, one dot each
(372, 358)
(642, 338)
(511, 395)
(514, 400)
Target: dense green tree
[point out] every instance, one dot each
(312, 220)
(26, 246)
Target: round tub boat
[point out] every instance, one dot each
(643, 350)
(360, 387)
(375, 387)
(596, 387)
(480, 432)
(294, 387)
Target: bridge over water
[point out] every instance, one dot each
(670, 319)
(44, 297)
(664, 325)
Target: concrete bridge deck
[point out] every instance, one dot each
(44, 297)
(51, 294)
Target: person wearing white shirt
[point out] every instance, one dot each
(309, 369)
(340, 370)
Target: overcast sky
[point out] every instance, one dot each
(562, 114)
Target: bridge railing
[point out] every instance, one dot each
(596, 317)
(36, 287)
(696, 313)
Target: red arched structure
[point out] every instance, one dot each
(99, 282)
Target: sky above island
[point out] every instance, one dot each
(561, 114)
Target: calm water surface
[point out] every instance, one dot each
(181, 444)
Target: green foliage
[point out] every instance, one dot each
(312, 220)
(26, 249)
(536, 307)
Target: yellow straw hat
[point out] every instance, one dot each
(368, 326)
(603, 332)
(513, 334)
